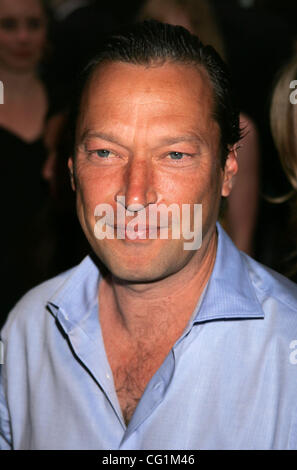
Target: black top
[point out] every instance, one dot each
(23, 195)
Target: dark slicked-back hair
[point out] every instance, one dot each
(151, 43)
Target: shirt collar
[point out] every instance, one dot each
(76, 297)
(229, 293)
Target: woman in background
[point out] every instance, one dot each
(23, 37)
(283, 118)
(23, 29)
(240, 215)
(195, 15)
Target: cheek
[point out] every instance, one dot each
(100, 184)
(92, 189)
(39, 41)
(5, 42)
(195, 187)
(177, 186)
(85, 208)
(87, 196)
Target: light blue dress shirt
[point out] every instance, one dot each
(229, 382)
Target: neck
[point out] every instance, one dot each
(17, 83)
(171, 301)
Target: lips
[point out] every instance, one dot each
(135, 228)
(23, 53)
(136, 232)
(140, 230)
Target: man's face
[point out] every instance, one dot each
(147, 134)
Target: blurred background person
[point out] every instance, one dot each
(240, 214)
(78, 30)
(63, 8)
(259, 37)
(23, 43)
(197, 16)
(283, 119)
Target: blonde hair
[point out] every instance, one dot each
(199, 13)
(283, 121)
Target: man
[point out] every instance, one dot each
(152, 345)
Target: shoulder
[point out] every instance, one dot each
(271, 285)
(33, 304)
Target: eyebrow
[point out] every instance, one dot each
(182, 138)
(163, 141)
(100, 135)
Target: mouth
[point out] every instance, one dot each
(23, 54)
(137, 232)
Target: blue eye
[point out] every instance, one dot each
(176, 155)
(103, 153)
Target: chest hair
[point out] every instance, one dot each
(131, 375)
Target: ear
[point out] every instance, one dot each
(230, 170)
(71, 171)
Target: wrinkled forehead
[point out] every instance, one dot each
(183, 83)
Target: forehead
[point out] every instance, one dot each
(20, 8)
(152, 90)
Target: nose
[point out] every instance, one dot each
(23, 33)
(138, 185)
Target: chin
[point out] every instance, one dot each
(139, 277)
(139, 273)
(141, 263)
(142, 271)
